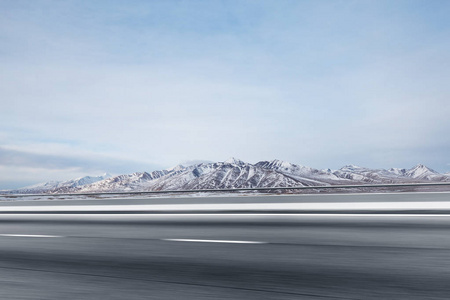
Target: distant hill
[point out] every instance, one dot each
(234, 173)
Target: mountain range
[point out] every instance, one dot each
(234, 173)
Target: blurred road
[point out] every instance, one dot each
(229, 257)
(232, 198)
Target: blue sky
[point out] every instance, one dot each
(88, 87)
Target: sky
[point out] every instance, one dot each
(88, 87)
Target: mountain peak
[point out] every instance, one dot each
(281, 163)
(351, 167)
(93, 178)
(234, 161)
(176, 168)
(422, 167)
(420, 171)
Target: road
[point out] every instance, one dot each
(216, 256)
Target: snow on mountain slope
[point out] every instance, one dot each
(62, 185)
(39, 187)
(85, 180)
(235, 173)
(177, 180)
(397, 171)
(232, 173)
(286, 167)
(419, 173)
(124, 183)
(137, 181)
(367, 175)
(422, 172)
(176, 168)
(235, 161)
(305, 175)
(244, 175)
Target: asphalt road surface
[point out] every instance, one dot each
(230, 257)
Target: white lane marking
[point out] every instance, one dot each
(30, 235)
(214, 241)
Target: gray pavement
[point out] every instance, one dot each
(230, 198)
(317, 257)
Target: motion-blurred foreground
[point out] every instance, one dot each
(373, 246)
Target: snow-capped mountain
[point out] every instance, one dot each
(222, 175)
(62, 185)
(367, 175)
(176, 168)
(235, 161)
(422, 172)
(306, 175)
(418, 173)
(129, 182)
(232, 173)
(235, 173)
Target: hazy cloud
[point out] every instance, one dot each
(88, 164)
(19, 168)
